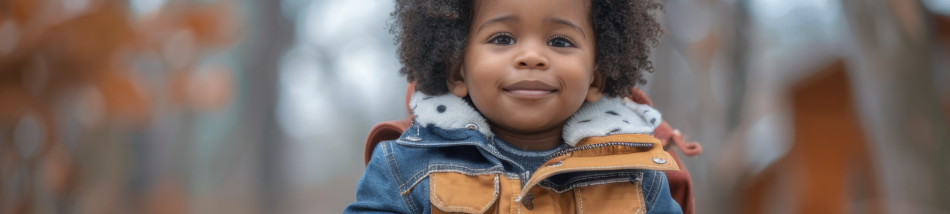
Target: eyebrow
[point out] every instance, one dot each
(499, 19)
(568, 23)
(513, 18)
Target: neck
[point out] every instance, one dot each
(544, 140)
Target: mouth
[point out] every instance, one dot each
(529, 89)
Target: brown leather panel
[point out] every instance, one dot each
(509, 192)
(548, 201)
(460, 193)
(637, 160)
(623, 197)
(566, 203)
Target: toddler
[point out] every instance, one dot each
(520, 108)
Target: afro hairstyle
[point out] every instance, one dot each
(431, 37)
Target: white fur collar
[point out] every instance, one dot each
(607, 116)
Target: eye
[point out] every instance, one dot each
(560, 41)
(502, 39)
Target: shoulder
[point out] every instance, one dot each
(413, 158)
(401, 159)
(410, 163)
(393, 150)
(387, 179)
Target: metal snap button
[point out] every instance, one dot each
(413, 138)
(659, 160)
(471, 126)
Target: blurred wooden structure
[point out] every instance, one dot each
(828, 168)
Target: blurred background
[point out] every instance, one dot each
(241, 106)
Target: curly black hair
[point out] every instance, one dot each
(431, 35)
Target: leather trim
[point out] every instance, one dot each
(459, 193)
(624, 197)
(636, 160)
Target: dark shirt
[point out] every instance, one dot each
(531, 160)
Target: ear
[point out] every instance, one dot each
(456, 81)
(596, 89)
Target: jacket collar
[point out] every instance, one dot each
(607, 116)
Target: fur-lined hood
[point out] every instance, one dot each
(607, 116)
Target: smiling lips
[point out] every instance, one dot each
(529, 89)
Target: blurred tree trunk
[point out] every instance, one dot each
(900, 103)
(270, 40)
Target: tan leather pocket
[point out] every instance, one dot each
(623, 197)
(451, 192)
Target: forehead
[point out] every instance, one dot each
(529, 11)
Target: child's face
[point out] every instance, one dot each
(529, 64)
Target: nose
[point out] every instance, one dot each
(532, 59)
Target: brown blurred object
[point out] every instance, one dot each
(50, 53)
(908, 15)
(206, 89)
(702, 52)
(942, 33)
(168, 197)
(829, 168)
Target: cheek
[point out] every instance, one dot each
(483, 72)
(577, 75)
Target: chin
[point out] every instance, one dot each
(529, 124)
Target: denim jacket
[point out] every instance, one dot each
(448, 162)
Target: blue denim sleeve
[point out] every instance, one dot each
(663, 203)
(377, 191)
